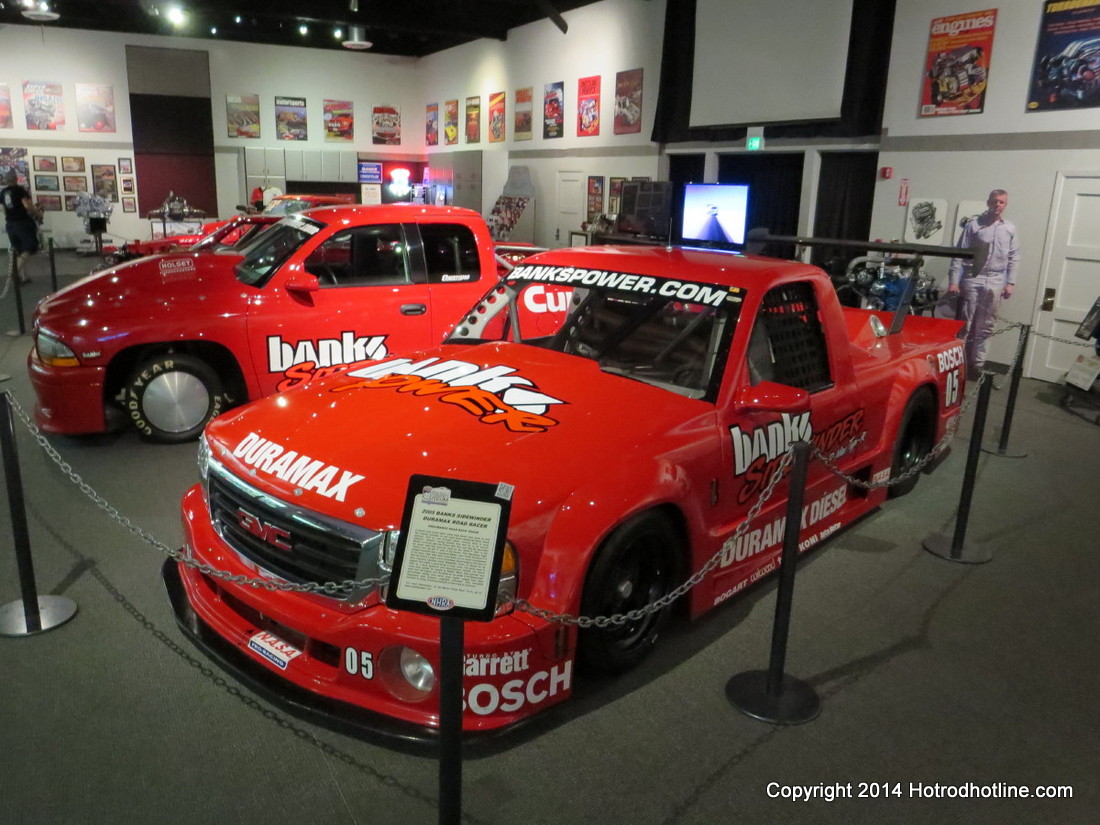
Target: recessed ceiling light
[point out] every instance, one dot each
(356, 39)
(303, 30)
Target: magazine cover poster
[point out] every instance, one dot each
(385, 124)
(956, 68)
(450, 122)
(242, 115)
(43, 105)
(339, 118)
(6, 121)
(496, 117)
(14, 159)
(595, 196)
(1066, 72)
(628, 102)
(431, 124)
(473, 119)
(95, 108)
(553, 110)
(588, 106)
(524, 117)
(290, 118)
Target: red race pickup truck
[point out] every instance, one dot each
(167, 342)
(636, 401)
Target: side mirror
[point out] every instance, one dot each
(767, 396)
(302, 284)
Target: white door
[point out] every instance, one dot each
(1070, 277)
(570, 207)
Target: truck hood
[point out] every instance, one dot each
(541, 421)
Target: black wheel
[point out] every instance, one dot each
(637, 565)
(914, 442)
(170, 397)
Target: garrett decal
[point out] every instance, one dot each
(324, 352)
(491, 664)
(483, 698)
(298, 470)
(758, 453)
(495, 395)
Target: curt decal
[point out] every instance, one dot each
(495, 395)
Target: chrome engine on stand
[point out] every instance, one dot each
(878, 282)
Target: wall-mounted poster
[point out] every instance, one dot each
(43, 105)
(628, 102)
(125, 166)
(385, 125)
(521, 129)
(71, 164)
(595, 196)
(14, 159)
(129, 204)
(473, 119)
(242, 115)
(588, 106)
(49, 203)
(339, 119)
(926, 221)
(95, 108)
(431, 125)
(105, 181)
(614, 195)
(47, 183)
(956, 68)
(450, 122)
(75, 183)
(497, 126)
(553, 110)
(1064, 75)
(127, 186)
(45, 163)
(290, 118)
(6, 119)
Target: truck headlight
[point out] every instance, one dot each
(52, 352)
(406, 674)
(509, 579)
(204, 457)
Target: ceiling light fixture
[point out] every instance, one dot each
(39, 12)
(176, 16)
(303, 30)
(356, 39)
(338, 34)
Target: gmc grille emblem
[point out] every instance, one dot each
(275, 536)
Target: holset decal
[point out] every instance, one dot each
(496, 395)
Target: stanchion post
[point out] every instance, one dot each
(34, 613)
(18, 299)
(53, 266)
(956, 549)
(771, 695)
(451, 632)
(1013, 389)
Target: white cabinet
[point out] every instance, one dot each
(260, 161)
(304, 164)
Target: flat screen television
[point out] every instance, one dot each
(714, 214)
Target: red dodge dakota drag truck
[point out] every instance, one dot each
(167, 342)
(638, 401)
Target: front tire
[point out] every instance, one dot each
(914, 441)
(170, 397)
(636, 565)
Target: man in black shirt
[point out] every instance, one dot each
(21, 214)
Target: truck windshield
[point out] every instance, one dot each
(268, 251)
(672, 334)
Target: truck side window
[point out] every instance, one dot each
(450, 252)
(363, 256)
(787, 344)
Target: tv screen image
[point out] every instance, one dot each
(715, 212)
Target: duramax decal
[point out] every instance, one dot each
(758, 453)
(299, 470)
(496, 395)
(324, 352)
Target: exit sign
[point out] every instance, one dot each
(754, 143)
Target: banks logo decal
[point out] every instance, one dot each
(758, 453)
(324, 352)
(295, 469)
(495, 395)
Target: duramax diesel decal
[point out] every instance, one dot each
(496, 395)
(324, 352)
(290, 466)
(626, 282)
(758, 453)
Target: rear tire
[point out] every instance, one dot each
(914, 441)
(636, 565)
(170, 397)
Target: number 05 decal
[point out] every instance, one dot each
(951, 394)
(359, 663)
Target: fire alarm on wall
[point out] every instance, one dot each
(886, 172)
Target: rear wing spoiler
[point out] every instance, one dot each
(918, 251)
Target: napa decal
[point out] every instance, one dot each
(758, 452)
(709, 294)
(306, 473)
(494, 395)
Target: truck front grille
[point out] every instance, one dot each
(290, 542)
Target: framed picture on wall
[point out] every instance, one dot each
(46, 183)
(127, 185)
(129, 204)
(75, 183)
(50, 203)
(45, 163)
(614, 194)
(104, 180)
(72, 164)
(125, 166)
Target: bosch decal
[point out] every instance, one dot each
(298, 470)
(483, 699)
(951, 359)
(625, 282)
(324, 352)
(495, 395)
